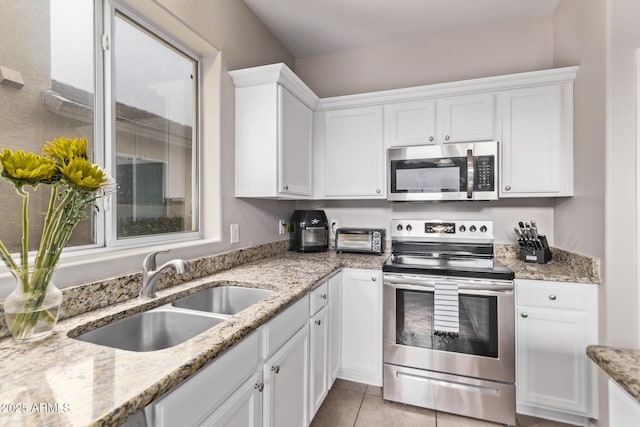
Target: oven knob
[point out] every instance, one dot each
(472, 229)
(399, 227)
(483, 229)
(462, 228)
(409, 227)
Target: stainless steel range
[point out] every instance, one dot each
(449, 320)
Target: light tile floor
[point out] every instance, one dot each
(351, 404)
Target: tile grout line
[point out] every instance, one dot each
(360, 407)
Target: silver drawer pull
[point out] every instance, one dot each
(552, 297)
(259, 387)
(507, 188)
(318, 322)
(275, 369)
(323, 296)
(374, 279)
(525, 315)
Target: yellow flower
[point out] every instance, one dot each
(83, 175)
(26, 168)
(62, 150)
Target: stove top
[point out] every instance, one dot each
(445, 248)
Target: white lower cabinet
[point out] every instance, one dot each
(624, 410)
(335, 306)
(286, 386)
(242, 409)
(194, 400)
(555, 323)
(318, 358)
(361, 332)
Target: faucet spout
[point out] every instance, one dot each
(151, 275)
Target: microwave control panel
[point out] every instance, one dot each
(485, 173)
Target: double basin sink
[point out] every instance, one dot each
(174, 323)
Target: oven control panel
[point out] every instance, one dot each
(439, 229)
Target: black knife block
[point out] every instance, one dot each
(529, 252)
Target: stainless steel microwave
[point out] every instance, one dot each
(456, 171)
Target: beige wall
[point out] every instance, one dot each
(522, 45)
(621, 215)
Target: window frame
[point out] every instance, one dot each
(98, 260)
(110, 11)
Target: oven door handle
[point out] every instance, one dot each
(414, 282)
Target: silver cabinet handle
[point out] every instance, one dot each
(447, 137)
(552, 297)
(323, 296)
(374, 279)
(430, 139)
(275, 369)
(286, 187)
(507, 188)
(525, 315)
(378, 190)
(259, 387)
(470, 173)
(318, 322)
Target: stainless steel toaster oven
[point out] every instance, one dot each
(360, 240)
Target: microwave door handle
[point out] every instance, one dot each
(470, 174)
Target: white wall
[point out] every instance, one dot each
(522, 45)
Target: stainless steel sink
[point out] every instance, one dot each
(151, 330)
(227, 300)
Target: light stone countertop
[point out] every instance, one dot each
(87, 384)
(621, 364)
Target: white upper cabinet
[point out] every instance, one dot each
(537, 141)
(467, 118)
(274, 133)
(435, 121)
(292, 145)
(410, 123)
(350, 154)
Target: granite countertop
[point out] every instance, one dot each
(65, 382)
(621, 364)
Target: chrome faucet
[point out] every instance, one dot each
(150, 274)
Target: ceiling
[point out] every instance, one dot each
(315, 27)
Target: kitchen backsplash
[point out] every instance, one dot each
(91, 296)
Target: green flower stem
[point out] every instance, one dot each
(46, 232)
(8, 260)
(24, 256)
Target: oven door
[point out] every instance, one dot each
(485, 347)
(463, 171)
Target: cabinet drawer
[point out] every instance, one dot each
(533, 293)
(279, 329)
(318, 298)
(194, 400)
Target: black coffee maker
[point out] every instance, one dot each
(310, 231)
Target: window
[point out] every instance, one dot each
(136, 102)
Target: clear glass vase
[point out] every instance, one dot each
(31, 310)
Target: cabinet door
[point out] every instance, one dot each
(362, 326)
(242, 409)
(335, 298)
(551, 364)
(537, 159)
(318, 350)
(295, 151)
(286, 386)
(467, 118)
(410, 123)
(624, 410)
(354, 153)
